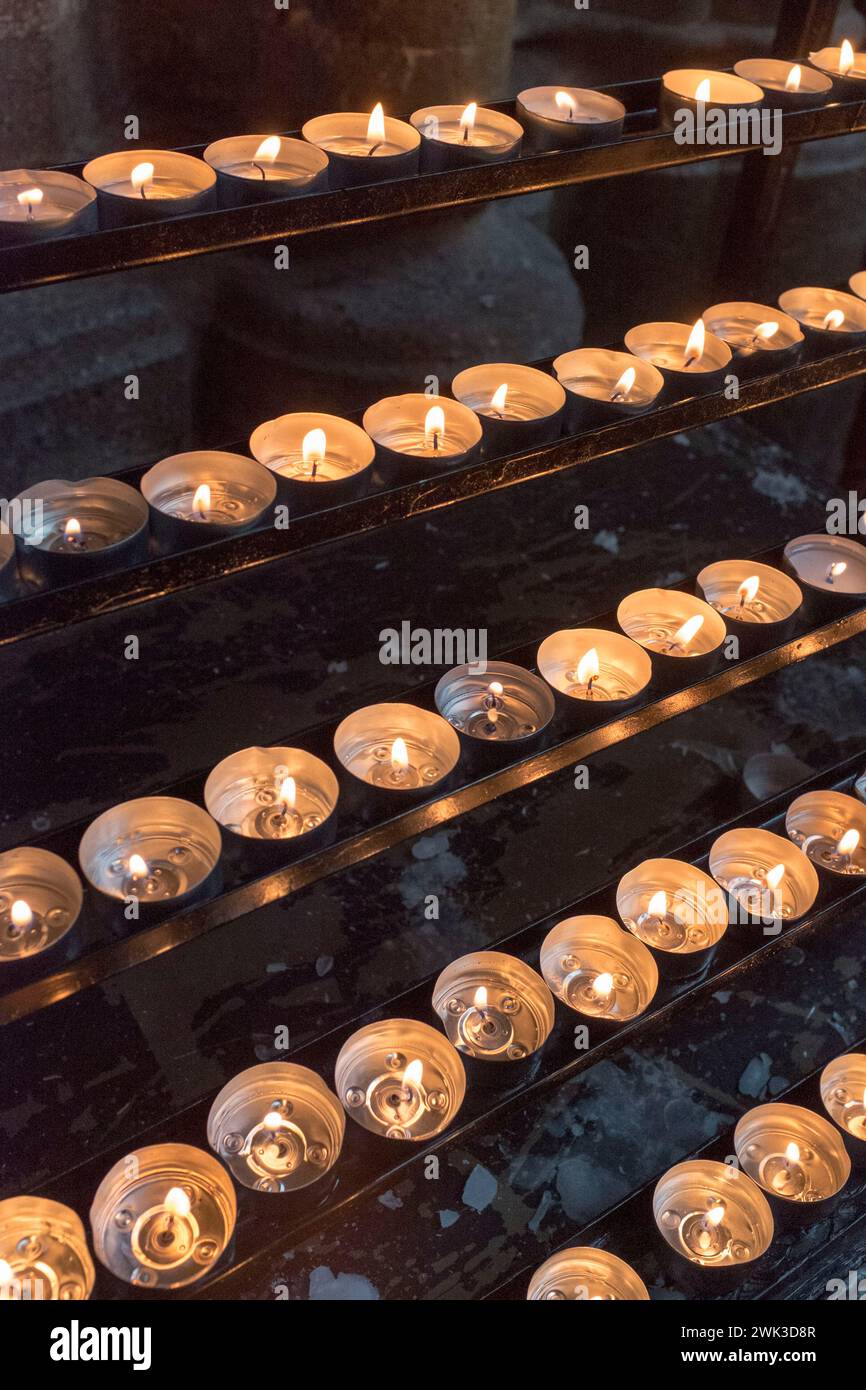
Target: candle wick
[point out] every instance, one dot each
(143, 193)
(435, 441)
(374, 148)
(260, 168)
(313, 466)
(466, 135)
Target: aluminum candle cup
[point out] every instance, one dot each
(761, 338)
(832, 320)
(712, 1214)
(768, 878)
(831, 829)
(559, 118)
(584, 1272)
(162, 1216)
(676, 909)
(38, 204)
(599, 970)
(400, 1079)
(318, 460)
(787, 85)
(832, 571)
(845, 67)
(40, 900)
(689, 360)
(259, 168)
(277, 1127)
(156, 849)
(453, 137)
(857, 284)
(843, 1093)
(603, 386)
(493, 1007)
(417, 435)
(365, 147)
(504, 705)
(684, 634)
(138, 185)
(396, 748)
(703, 92)
(758, 603)
(280, 799)
(75, 529)
(594, 667)
(520, 407)
(204, 495)
(43, 1253)
(792, 1153)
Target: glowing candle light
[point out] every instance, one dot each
(266, 153)
(201, 501)
(138, 866)
(376, 128)
(748, 590)
(21, 914)
(702, 91)
(765, 331)
(30, 198)
(467, 122)
(399, 756)
(588, 670)
(288, 794)
(72, 531)
(603, 984)
(566, 104)
(849, 842)
(498, 399)
(833, 319)
(624, 385)
(313, 449)
(695, 345)
(142, 177)
(434, 428)
(837, 569)
(846, 57)
(690, 628)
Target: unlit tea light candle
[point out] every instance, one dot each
(365, 148)
(258, 168)
(271, 793)
(147, 185)
(829, 564)
(602, 385)
(831, 317)
(597, 969)
(791, 1152)
(520, 407)
(830, 828)
(564, 117)
(455, 136)
(36, 205)
(155, 848)
(672, 906)
(315, 456)
(585, 1273)
(843, 1092)
(400, 1079)
(712, 1214)
(594, 665)
(688, 357)
(43, 1253)
(786, 84)
(396, 747)
(769, 877)
(40, 900)
(493, 1006)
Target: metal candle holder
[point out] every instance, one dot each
(179, 184)
(530, 415)
(40, 900)
(746, 864)
(43, 1252)
(202, 495)
(712, 1215)
(585, 1273)
(400, 1079)
(40, 204)
(493, 1007)
(80, 528)
(246, 176)
(281, 798)
(355, 159)
(792, 1153)
(831, 829)
(397, 748)
(337, 465)
(758, 603)
(603, 386)
(599, 970)
(404, 446)
(580, 117)
(505, 704)
(665, 622)
(457, 137)
(760, 337)
(619, 673)
(673, 907)
(155, 849)
(832, 320)
(277, 1127)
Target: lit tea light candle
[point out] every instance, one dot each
(558, 118)
(791, 1152)
(317, 459)
(258, 168)
(597, 969)
(197, 496)
(688, 357)
(602, 386)
(751, 598)
(700, 91)
(677, 627)
(845, 67)
(400, 1079)
(843, 1093)
(418, 433)
(453, 137)
(37, 205)
(148, 185)
(787, 85)
(162, 1216)
(365, 147)
(154, 849)
(830, 828)
(770, 879)
(397, 747)
(672, 906)
(493, 1007)
(272, 794)
(504, 704)
(594, 665)
(43, 1253)
(277, 1126)
(831, 319)
(520, 407)
(831, 568)
(759, 336)
(585, 1273)
(84, 527)
(40, 900)
(712, 1214)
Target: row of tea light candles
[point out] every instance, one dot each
(351, 148)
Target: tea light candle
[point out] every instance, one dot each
(493, 1007)
(148, 185)
(317, 459)
(397, 748)
(843, 1093)
(40, 900)
(700, 90)
(756, 601)
(79, 528)
(759, 336)
(791, 1152)
(684, 633)
(831, 829)
(400, 1079)
(365, 148)
(598, 970)
(453, 137)
(712, 1214)
(689, 358)
(416, 434)
(271, 794)
(162, 1216)
(505, 704)
(43, 1253)
(584, 1272)
(199, 496)
(829, 565)
(787, 85)
(558, 118)
(857, 283)
(603, 386)
(769, 877)
(832, 319)
(156, 849)
(846, 67)
(259, 168)
(520, 407)
(277, 1126)
(36, 205)
(593, 665)
(672, 906)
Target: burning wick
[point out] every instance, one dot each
(497, 400)
(567, 104)
(846, 57)
(267, 151)
(683, 635)
(792, 81)
(588, 670)
(845, 848)
(313, 448)
(21, 916)
(30, 198)
(695, 345)
(702, 92)
(467, 122)
(747, 591)
(137, 867)
(765, 331)
(288, 796)
(624, 385)
(201, 501)
(376, 128)
(837, 568)
(833, 320)
(141, 175)
(434, 427)
(72, 531)
(491, 701)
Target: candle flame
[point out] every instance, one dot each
(413, 1074)
(834, 319)
(588, 667)
(702, 92)
(20, 914)
(792, 1153)
(201, 499)
(499, 397)
(690, 628)
(72, 527)
(715, 1214)
(137, 866)
(495, 688)
(748, 589)
(603, 984)
(314, 446)
(847, 845)
(767, 330)
(695, 344)
(838, 567)
(658, 904)
(774, 876)
(846, 57)
(268, 149)
(142, 174)
(567, 104)
(792, 81)
(177, 1202)
(625, 383)
(434, 426)
(288, 792)
(399, 754)
(273, 1119)
(31, 197)
(467, 120)
(480, 1000)
(376, 124)
(7, 1274)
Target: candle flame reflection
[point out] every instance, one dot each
(690, 628)
(834, 319)
(495, 688)
(848, 843)
(792, 81)
(695, 345)
(376, 124)
(846, 57)
(20, 914)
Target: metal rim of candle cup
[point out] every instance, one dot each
(60, 499)
(379, 725)
(236, 788)
(50, 1239)
(306, 167)
(551, 132)
(584, 1272)
(838, 548)
(735, 854)
(561, 652)
(52, 891)
(782, 597)
(125, 208)
(150, 821)
(770, 74)
(849, 84)
(786, 343)
(277, 1127)
(520, 1005)
(702, 1184)
(683, 884)
(843, 1081)
(769, 1128)
(799, 301)
(605, 365)
(475, 386)
(437, 154)
(385, 418)
(213, 467)
(816, 822)
(76, 198)
(272, 442)
(590, 945)
(136, 1186)
(645, 339)
(857, 284)
(376, 1057)
(671, 606)
(463, 688)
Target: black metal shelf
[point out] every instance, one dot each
(644, 148)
